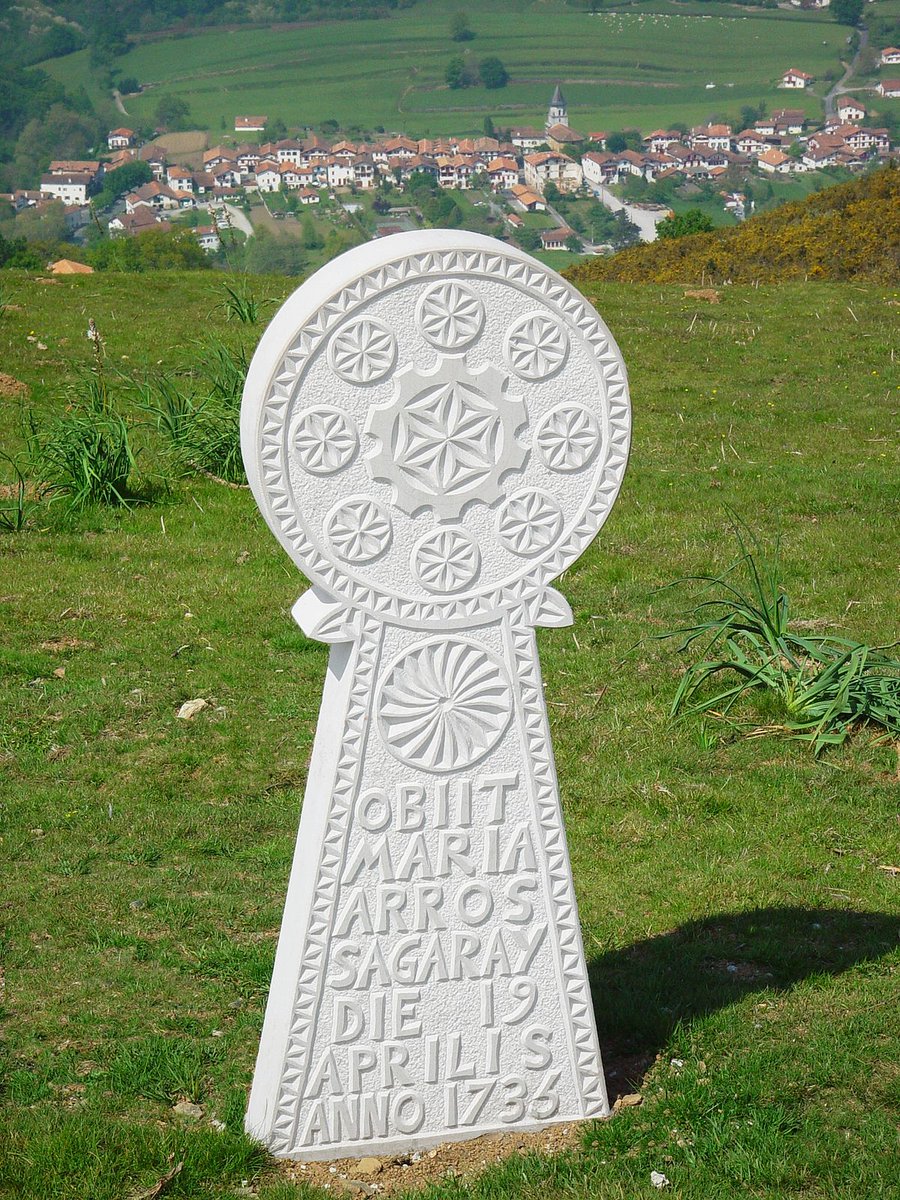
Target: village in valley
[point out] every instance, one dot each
(554, 188)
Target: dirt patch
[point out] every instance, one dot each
(708, 294)
(59, 645)
(12, 388)
(185, 148)
(46, 279)
(386, 1175)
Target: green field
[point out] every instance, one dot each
(638, 67)
(741, 926)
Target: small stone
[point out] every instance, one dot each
(137, 905)
(659, 1180)
(243, 557)
(60, 672)
(631, 1100)
(185, 1108)
(369, 1166)
(190, 708)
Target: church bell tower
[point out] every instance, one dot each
(558, 113)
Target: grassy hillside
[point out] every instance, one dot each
(741, 927)
(645, 66)
(851, 231)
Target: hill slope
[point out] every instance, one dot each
(148, 855)
(851, 231)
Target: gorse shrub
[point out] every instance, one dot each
(822, 685)
(851, 231)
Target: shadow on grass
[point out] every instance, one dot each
(644, 991)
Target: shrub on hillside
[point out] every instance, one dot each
(851, 231)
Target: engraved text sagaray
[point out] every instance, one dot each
(435, 426)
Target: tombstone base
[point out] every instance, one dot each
(408, 1145)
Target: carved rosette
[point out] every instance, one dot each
(450, 315)
(447, 438)
(359, 529)
(568, 437)
(536, 346)
(446, 560)
(444, 705)
(446, 415)
(363, 352)
(529, 522)
(326, 439)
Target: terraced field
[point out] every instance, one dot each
(637, 67)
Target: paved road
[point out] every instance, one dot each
(239, 220)
(646, 219)
(849, 70)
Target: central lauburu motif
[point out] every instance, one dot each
(447, 437)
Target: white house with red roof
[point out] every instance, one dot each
(526, 137)
(208, 237)
(890, 88)
(180, 179)
(268, 176)
(710, 137)
(775, 162)
(71, 188)
(120, 139)
(550, 167)
(890, 56)
(795, 79)
(250, 124)
(850, 110)
(555, 239)
(503, 174)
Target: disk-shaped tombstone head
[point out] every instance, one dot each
(435, 425)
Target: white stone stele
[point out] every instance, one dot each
(435, 426)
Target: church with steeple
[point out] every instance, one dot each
(559, 133)
(558, 112)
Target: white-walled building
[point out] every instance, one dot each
(550, 167)
(71, 188)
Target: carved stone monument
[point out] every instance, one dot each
(435, 426)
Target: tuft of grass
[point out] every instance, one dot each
(17, 508)
(241, 304)
(202, 427)
(824, 685)
(86, 454)
(165, 1069)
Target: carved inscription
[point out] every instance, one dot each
(438, 900)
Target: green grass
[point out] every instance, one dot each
(634, 67)
(145, 858)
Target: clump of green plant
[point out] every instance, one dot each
(17, 507)
(241, 304)
(823, 685)
(201, 421)
(86, 454)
